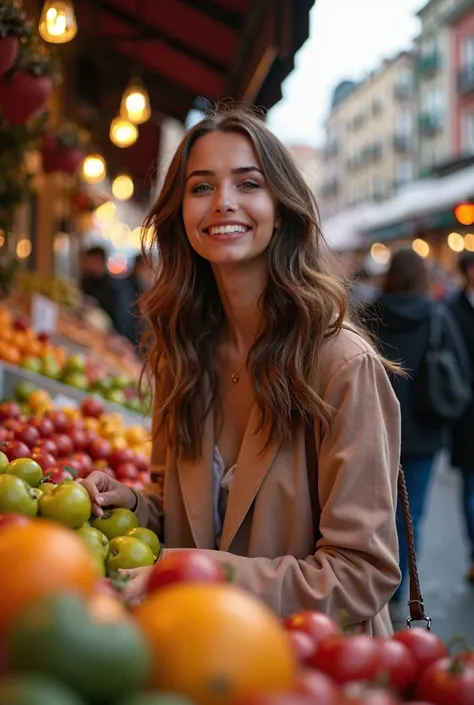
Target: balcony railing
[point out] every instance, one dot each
(430, 63)
(402, 143)
(430, 124)
(402, 91)
(466, 80)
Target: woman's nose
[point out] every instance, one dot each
(224, 201)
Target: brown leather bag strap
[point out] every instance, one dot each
(416, 603)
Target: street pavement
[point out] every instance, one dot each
(443, 560)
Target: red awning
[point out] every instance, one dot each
(186, 49)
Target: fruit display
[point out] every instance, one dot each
(70, 637)
(70, 443)
(37, 353)
(61, 291)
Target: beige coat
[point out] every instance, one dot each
(268, 533)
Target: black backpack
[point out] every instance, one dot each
(443, 393)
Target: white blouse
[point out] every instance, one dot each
(222, 480)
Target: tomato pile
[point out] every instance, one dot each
(71, 443)
(68, 638)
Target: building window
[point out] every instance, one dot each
(468, 133)
(404, 171)
(404, 122)
(467, 52)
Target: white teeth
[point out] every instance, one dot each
(227, 229)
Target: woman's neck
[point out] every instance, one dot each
(240, 289)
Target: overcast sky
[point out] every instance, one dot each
(348, 38)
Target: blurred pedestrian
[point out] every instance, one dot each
(112, 295)
(462, 448)
(401, 320)
(139, 281)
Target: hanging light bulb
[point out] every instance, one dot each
(94, 169)
(122, 187)
(123, 133)
(135, 103)
(58, 21)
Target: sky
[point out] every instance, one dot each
(348, 38)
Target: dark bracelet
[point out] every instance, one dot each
(137, 500)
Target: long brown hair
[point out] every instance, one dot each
(305, 301)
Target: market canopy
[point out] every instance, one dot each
(186, 49)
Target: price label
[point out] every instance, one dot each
(44, 314)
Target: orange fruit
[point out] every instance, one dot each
(215, 643)
(10, 354)
(38, 398)
(39, 559)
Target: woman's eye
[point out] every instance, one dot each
(249, 184)
(200, 188)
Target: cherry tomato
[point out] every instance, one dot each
(318, 687)
(348, 658)
(361, 694)
(397, 664)
(447, 681)
(303, 645)
(316, 624)
(425, 646)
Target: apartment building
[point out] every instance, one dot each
(461, 23)
(435, 85)
(368, 151)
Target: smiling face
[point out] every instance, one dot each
(229, 212)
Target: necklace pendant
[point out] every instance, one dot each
(235, 377)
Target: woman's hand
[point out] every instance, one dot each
(104, 491)
(134, 590)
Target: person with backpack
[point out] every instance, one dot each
(422, 336)
(462, 445)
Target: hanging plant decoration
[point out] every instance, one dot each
(14, 27)
(64, 149)
(26, 87)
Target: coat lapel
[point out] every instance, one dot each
(251, 469)
(196, 481)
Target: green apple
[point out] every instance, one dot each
(69, 503)
(115, 522)
(76, 363)
(17, 497)
(23, 390)
(33, 364)
(27, 469)
(4, 462)
(147, 536)
(76, 379)
(95, 539)
(126, 552)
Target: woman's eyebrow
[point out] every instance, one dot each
(238, 170)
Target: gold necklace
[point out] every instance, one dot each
(235, 376)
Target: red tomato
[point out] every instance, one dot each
(64, 444)
(303, 645)
(44, 425)
(44, 460)
(397, 664)
(447, 681)
(185, 567)
(48, 446)
(316, 624)
(425, 646)
(318, 687)
(11, 518)
(79, 438)
(16, 449)
(58, 474)
(348, 658)
(360, 694)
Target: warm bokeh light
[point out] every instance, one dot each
(105, 212)
(57, 23)
(469, 242)
(117, 263)
(120, 235)
(94, 169)
(123, 133)
(136, 238)
(380, 253)
(122, 187)
(421, 247)
(23, 248)
(464, 213)
(456, 242)
(135, 105)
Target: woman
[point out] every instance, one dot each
(246, 315)
(400, 319)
